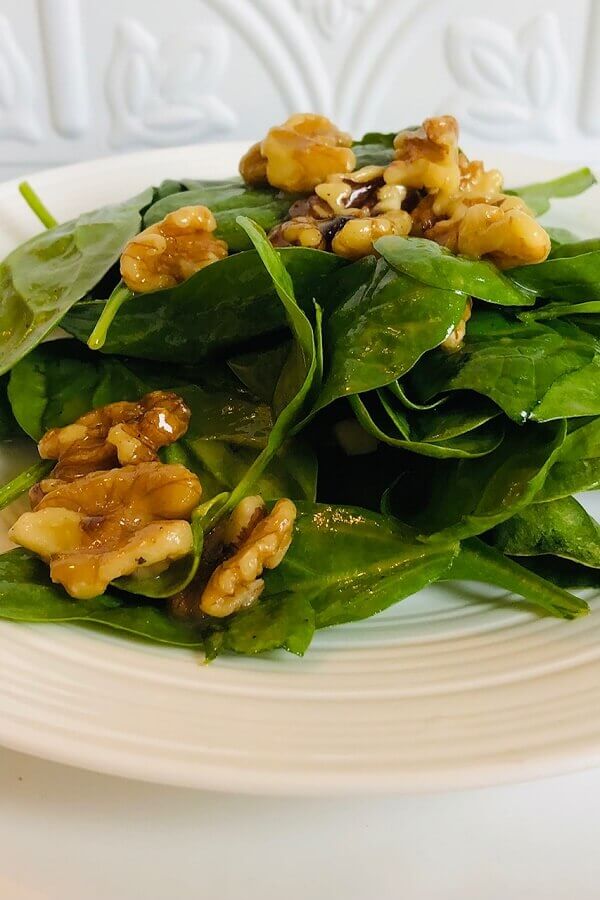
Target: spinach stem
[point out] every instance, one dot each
(23, 481)
(36, 206)
(479, 562)
(119, 296)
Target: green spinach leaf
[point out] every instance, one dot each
(227, 201)
(383, 325)
(479, 562)
(456, 499)
(27, 595)
(537, 196)
(42, 279)
(374, 149)
(225, 306)
(557, 528)
(531, 370)
(572, 278)
(436, 266)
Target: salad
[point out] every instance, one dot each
(289, 400)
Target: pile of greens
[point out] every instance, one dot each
(321, 380)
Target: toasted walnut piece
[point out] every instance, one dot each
(427, 157)
(253, 166)
(506, 234)
(171, 251)
(119, 433)
(236, 584)
(300, 154)
(246, 516)
(455, 339)
(357, 236)
(300, 232)
(110, 524)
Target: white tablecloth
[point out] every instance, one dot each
(66, 834)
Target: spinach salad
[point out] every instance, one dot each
(292, 399)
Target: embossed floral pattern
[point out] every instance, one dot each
(18, 117)
(332, 17)
(164, 93)
(511, 85)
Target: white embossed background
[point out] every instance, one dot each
(83, 78)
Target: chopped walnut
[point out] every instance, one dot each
(457, 336)
(171, 251)
(299, 154)
(109, 524)
(236, 583)
(303, 231)
(427, 157)
(120, 433)
(505, 233)
(357, 236)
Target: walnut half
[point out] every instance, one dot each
(299, 154)
(120, 433)
(171, 251)
(260, 541)
(109, 524)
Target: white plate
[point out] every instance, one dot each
(444, 691)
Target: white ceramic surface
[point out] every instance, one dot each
(79, 79)
(447, 690)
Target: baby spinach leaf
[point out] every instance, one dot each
(9, 427)
(27, 595)
(471, 443)
(300, 375)
(571, 278)
(531, 370)
(574, 247)
(436, 266)
(537, 196)
(260, 370)
(397, 389)
(577, 466)
(350, 563)
(562, 572)
(222, 465)
(456, 499)
(284, 621)
(266, 206)
(479, 562)
(224, 306)
(374, 149)
(559, 237)
(42, 279)
(556, 310)
(557, 528)
(383, 325)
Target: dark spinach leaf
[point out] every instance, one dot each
(537, 196)
(571, 278)
(479, 562)
(436, 266)
(557, 528)
(350, 563)
(42, 279)
(577, 466)
(384, 323)
(27, 595)
(456, 499)
(225, 306)
(227, 201)
(475, 440)
(531, 370)
(9, 427)
(374, 149)
(284, 621)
